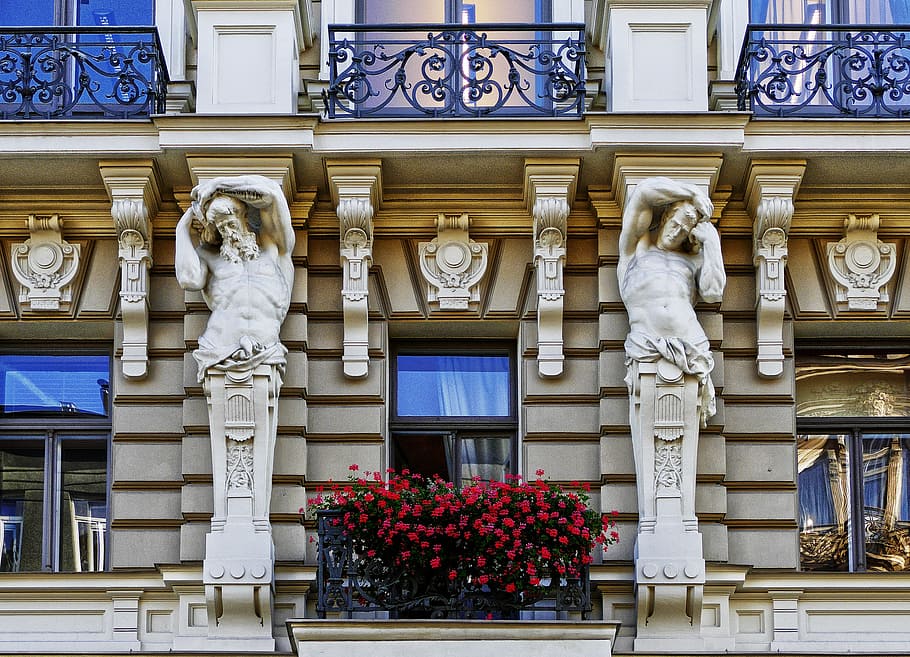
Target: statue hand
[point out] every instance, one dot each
(703, 204)
(703, 231)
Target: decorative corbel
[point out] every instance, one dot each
(549, 190)
(45, 265)
(771, 189)
(453, 264)
(134, 197)
(356, 190)
(861, 265)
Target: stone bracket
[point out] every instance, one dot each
(356, 191)
(861, 266)
(45, 266)
(133, 190)
(453, 264)
(549, 192)
(770, 191)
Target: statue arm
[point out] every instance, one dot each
(265, 194)
(192, 272)
(711, 278)
(638, 214)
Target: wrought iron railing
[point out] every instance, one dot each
(347, 583)
(456, 70)
(825, 71)
(81, 73)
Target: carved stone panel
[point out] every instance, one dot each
(861, 266)
(453, 264)
(45, 265)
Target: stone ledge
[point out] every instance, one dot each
(453, 638)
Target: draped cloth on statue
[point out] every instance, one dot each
(694, 359)
(239, 357)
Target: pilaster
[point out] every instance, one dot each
(356, 192)
(549, 192)
(770, 191)
(659, 55)
(133, 190)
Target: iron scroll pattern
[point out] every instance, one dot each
(347, 583)
(81, 72)
(825, 71)
(456, 71)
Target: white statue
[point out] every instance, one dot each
(669, 254)
(242, 263)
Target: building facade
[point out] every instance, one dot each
(456, 177)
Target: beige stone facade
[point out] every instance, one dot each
(575, 425)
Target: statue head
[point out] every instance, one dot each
(226, 223)
(675, 227)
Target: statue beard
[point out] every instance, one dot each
(237, 246)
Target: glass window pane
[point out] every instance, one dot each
(427, 454)
(886, 501)
(824, 510)
(105, 13)
(791, 11)
(83, 507)
(853, 385)
(485, 458)
(17, 13)
(404, 11)
(55, 384)
(21, 505)
(453, 386)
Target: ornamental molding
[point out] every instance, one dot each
(133, 189)
(549, 190)
(771, 188)
(861, 265)
(45, 266)
(453, 264)
(356, 191)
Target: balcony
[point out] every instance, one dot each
(81, 73)
(825, 71)
(456, 71)
(348, 584)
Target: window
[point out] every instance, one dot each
(54, 445)
(853, 424)
(453, 412)
(101, 13)
(853, 12)
(453, 11)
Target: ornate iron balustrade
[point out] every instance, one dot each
(347, 583)
(81, 73)
(825, 71)
(456, 70)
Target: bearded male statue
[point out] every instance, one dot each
(234, 244)
(242, 263)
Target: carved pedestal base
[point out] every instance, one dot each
(238, 571)
(669, 569)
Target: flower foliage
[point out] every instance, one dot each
(512, 537)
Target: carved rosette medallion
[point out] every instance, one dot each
(453, 264)
(861, 265)
(45, 265)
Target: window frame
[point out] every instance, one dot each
(54, 430)
(458, 427)
(855, 429)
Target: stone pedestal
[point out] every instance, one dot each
(669, 568)
(238, 571)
